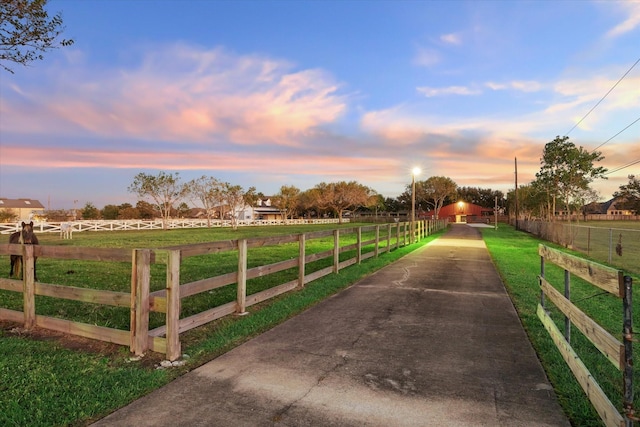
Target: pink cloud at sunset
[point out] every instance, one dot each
(258, 97)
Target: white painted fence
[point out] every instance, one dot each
(138, 224)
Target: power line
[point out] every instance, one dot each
(619, 168)
(602, 99)
(627, 127)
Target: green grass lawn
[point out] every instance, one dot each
(519, 273)
(47, 382)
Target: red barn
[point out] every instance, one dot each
(462, 212)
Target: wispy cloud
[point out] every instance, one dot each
(426, 57)
(451, 90)
(183, 93)
(522, 86)
(632, 21)
(451, 38)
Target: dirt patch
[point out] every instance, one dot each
(114, 352)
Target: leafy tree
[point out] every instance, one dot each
(341, 196)
(307, 203)
(435, 191)
(183, 210)
(90, 211)
(392, 205)
(631, 194)
(567, 171)
(145, 210)
(110, 212)
(484, 197)
(287, 200)
(8, 215)
(531, 202)
(27, 31)
(164, 189)
(126, 211)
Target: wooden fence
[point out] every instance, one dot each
(141, 301)
(620, 354)
(154, 224)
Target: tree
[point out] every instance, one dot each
(567, 171)
(145, 210)
(27, 32)
(8, 215)
(630, 193)
(435, 191)
(484, 197)
(236, 199)
(164, 189)
(206, 192)
(110, 212)
(341, 196)
(287, 200)
(90, 211)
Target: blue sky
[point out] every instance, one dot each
(271, 93)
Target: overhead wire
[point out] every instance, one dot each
(619, 168)
(627, 127)
(602, 99)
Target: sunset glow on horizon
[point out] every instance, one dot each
(272, 93)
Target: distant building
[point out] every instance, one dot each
(23, 209)
(610, 207)
(462, 212)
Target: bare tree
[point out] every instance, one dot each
(236, 200)
(207, 191)
(164, 189)
(27, 31)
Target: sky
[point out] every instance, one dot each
(272, 93)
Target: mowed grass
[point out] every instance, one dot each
(47, 383)
(617, 242)
(515, 255)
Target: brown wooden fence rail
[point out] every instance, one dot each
(141, 301)
(620, 354)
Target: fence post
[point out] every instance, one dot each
(397, 234)
(627, 339)
(241, 302)
(141, 278)
(610, 243)
(173, 304)
(541, 275)
(377, 250)
(336, 251)
(301, 259)
(567, 295)
(388, 237)
(29, 286)
(359, 246)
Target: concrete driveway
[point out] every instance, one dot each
(431, 340)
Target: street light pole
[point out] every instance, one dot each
(414, 172)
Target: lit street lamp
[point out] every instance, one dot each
(414, 173)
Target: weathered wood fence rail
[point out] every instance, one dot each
(620, 354)
(142, 301)
(157, 224)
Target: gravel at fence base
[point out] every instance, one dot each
(411, 345)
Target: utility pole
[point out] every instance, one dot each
(516, 163)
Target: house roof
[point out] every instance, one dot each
(20, 204)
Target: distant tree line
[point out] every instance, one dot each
(563, 183)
